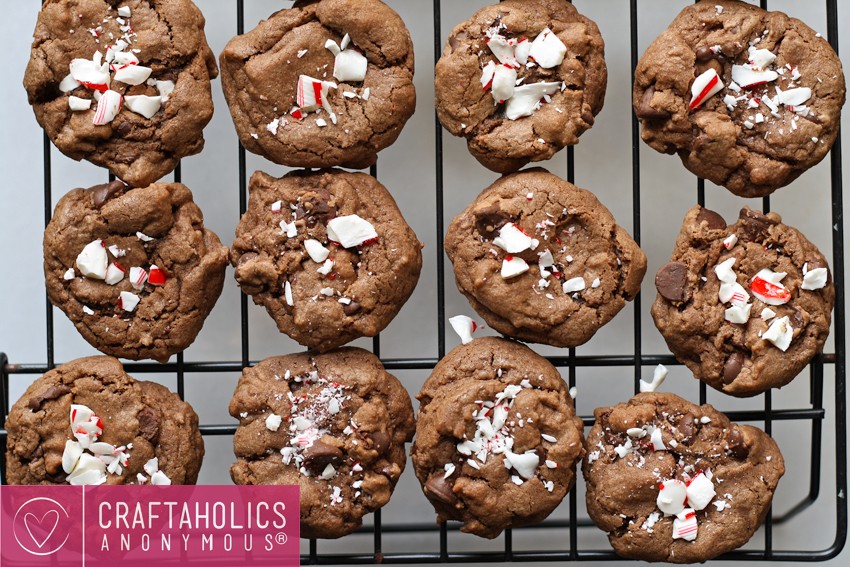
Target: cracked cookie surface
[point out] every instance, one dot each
(334, 424)
(341, 122)
(174, 101)
(579, 81)
(142, 420)
(322, 289)
(672, 481)
(752, 330)
(775, 111)
(134, 269)
(542, 260)
(497, 438)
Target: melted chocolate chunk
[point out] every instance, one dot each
(671, 281)
(246, 257)
(380, 441)
(755, 225)
(100, 194)
(51, 393)
(441, 489)
(686, 428)
(732, 367)
(714, 220)
(735, 444)
(645, 108)
(351, 309)
(149, 424)
(319, 455)
(490, 219)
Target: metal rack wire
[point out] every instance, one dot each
(814, 412)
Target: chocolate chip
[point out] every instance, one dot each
(124, 128)
(380, 441)
(316, 208)
(732, 367)
(149, 424)
(490, 219)
(714, 220)
(351, 308)
(797, 320)
(755, 225)
(455, 40)
(686, 428)
(811, 117)
(319, 455)
(645, 108)
(51, 393)
(39, 452)
(671, 281)
(735, 443)
(100, 194)
(588, 117)
(441, 489)
(704, 54)
(246, 257)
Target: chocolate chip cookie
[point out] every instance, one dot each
(497, 438)
(520, 80)
(673, 481)
(749, 99)
(323, 83)
(334, 424)
(744, 306)
(327, 253)
(124, 84)
(89, 422)
(542, 260)
(134, 269)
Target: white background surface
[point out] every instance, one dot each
(603, 165)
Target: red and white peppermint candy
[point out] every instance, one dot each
(351, 231)
(700, 491)
(766, 287)
(80, 414)
(730, 241)
(733, 293)
(114, 273)
(107, 108)
(527, 98)
(464, 327)
(77, 104)
(658, 377)
(132, 74)
(780, 333)
(487, 75)
(704, 87)
(503, 83)
(503, 49)
(68, 84)
(748, 77)
(89, 470)
(724, 271)
(350, 66)
(524, 463)
(144, 105)
(156, 276)
(547, 50)
(93, 261)
(739, 313)
(128, 301)
(312, 93)
(656, 440)
(685, 525)
(120, 58)
(91, 72)
(760, 58)
(522, 50)
(815, 279)
(159, 478)
(512, 239)
(573, 285)
(138, 277)
(671, 497)
(71, 455)
(513, 266)
(316, 251)
(793, 97)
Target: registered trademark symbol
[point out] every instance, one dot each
(280, 538)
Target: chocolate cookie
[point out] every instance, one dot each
(542, 260)
(673, 481)
(323, 83)
(134, 269)
(88, 422)
(749, 99)
(327, 253)
(335, 424)
(497, 438)
(747, 306)
(124, 84)
(520, 80)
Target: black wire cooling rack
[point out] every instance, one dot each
(814, 413)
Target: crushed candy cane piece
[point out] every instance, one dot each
(287, 293)
(350, 66)
(734, 293)
(738, 314)
(464, 327)
(143, 237)
(138, 277)
(326, 268)
(761, 58)
(730, 241)
(794, 97)
(91, 72)
(656, 440)
(547, 50)
(685, 525)
(165, 88)
(114, 274)
(159, 478)
(144, 105)
(573, 285)
(724, 271)
(132, 74)
(503, 50)
(71, 455)
(700, 491)
(525, 463)
(748, 77)
(780, 333)
(704, 87)
(351, 231)
(317, 252)
(312, 93)
(107, 108)
(273, 422)
(658, 376)
(512, 239)
(503, 83)
(156, 276)
(128, 301)
(766, 287)
(93, 261)
(527, 98)
(68, 84)
(77, 104)
(69, 274)
(513, 266)
(815, 279)
(671, 497)
(487, 75)
(767, 314)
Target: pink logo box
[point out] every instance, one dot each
(129, 526)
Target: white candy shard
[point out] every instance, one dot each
(77, 104)
(724, 271)
(287, 293)
(88, 471)
(638, 432)
(766, 286)
(114, 274)
(747, 77)
(734, 293)
(132, 74)
(159, 478)
(704, 87)
(685, 525)
(730, 241)
(351, 231)
(487, 75)
(138, 277)
(288, 228)
(273, 422)
(700, 492)
(513, 266)
(671, 497)
(91, 71)
(656, 440)
(128, 301)
(79, 414)
(761, 58)
(658, 377)
(326, 268)
(144, 105)
(512, 239)
(165, 89)
(68, 84)
(316, 251)
(71, 455)
(503, 49)
(522, 50)
(794, 97)
(574, 284)
(738, 314)
(464, 327)
(815, 279)
(350, 66)
(527, 98)
(312, 93)
(69, 274)
(107, 108)
(547, 50)
(525, 464)
(767, 314)
(780, 333)
(93, 261)
(124, 11)
(504, 82)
